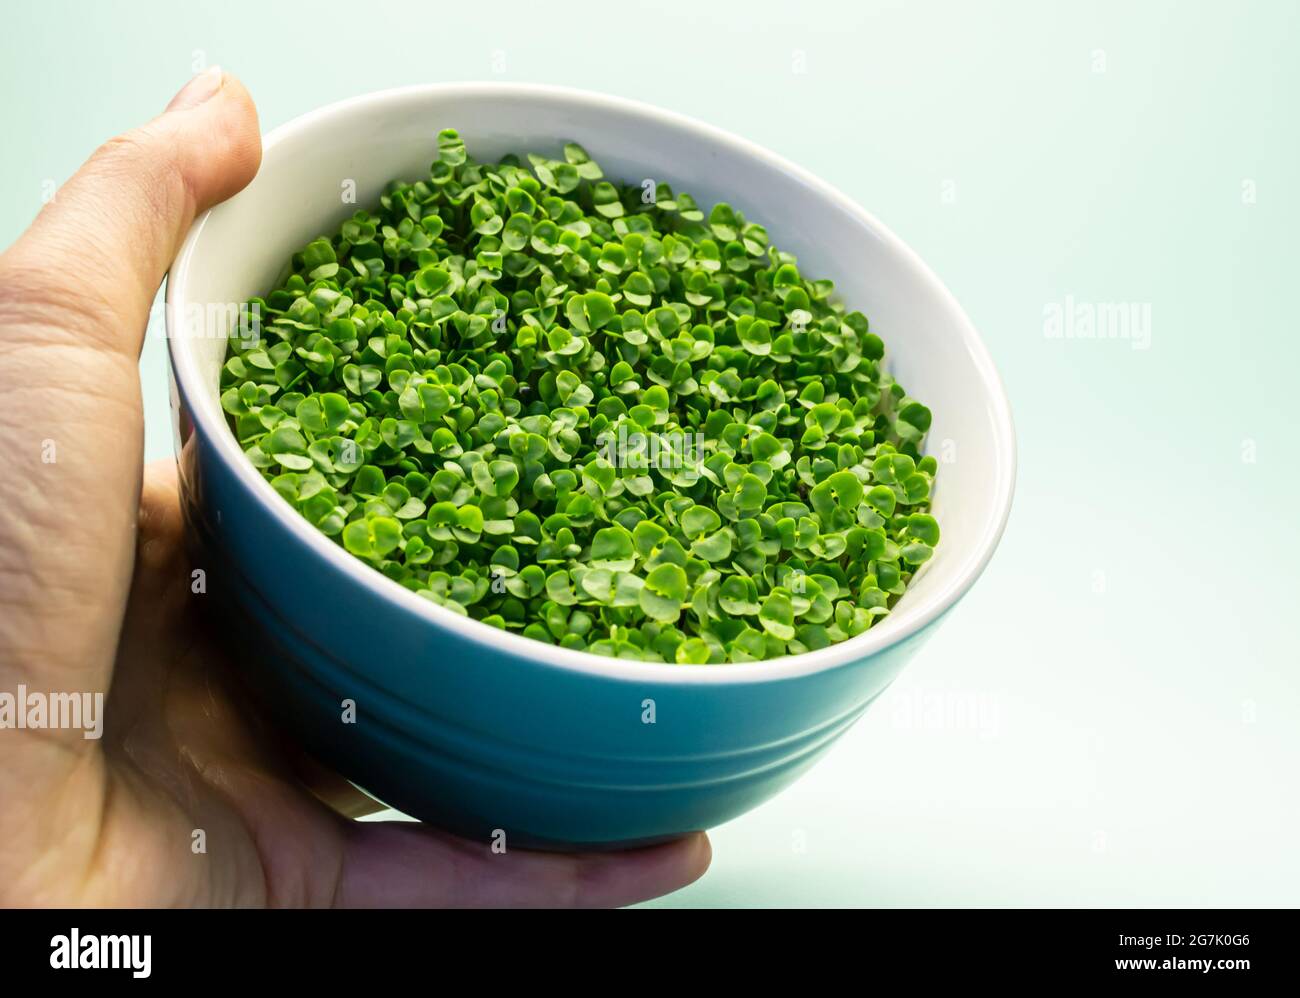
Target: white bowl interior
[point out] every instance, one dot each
(239, 249)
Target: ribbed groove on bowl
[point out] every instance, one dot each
(525, 770)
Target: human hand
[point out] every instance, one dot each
(95, 598)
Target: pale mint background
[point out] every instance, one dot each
(1111, 716)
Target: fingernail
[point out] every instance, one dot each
(199, 89)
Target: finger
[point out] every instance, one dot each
(392, 864)
(98, 251)
(75, 292)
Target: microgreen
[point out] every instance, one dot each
(602, 420)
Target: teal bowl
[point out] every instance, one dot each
(488, 733)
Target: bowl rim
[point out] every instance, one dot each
(896, 628)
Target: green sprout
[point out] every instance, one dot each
(589, 413)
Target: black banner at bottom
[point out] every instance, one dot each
(1229, 948)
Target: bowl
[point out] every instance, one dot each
(488, 733)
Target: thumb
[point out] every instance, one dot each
(103, 244)
(75, 292)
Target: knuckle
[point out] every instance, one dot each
(146, 168)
